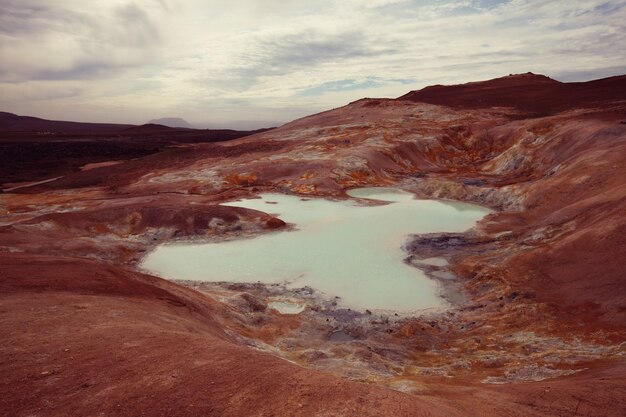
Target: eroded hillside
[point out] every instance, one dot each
(538, 328)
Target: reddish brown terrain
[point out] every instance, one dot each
(540, 329)
(33, 149)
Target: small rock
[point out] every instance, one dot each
(275, 223)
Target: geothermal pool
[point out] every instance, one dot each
(343, 249)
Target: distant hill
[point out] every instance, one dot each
(244, 124)
(172, 122)
(149, 128)
(532, 94)
(13, 125)
(10, 122)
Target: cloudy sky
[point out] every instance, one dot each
(230, 62)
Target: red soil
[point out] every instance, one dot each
(81, 337)
(86, 334)
(533, 95)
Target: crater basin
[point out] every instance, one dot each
(348, 250)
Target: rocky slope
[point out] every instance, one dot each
(541, 330)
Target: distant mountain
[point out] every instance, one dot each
(10, 122)
(171, 122)
(23, 126)
(150, 128)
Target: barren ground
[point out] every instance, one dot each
(540, 331)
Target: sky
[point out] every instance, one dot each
(256, 63)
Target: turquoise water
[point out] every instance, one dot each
(343, 249)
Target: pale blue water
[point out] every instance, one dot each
(341, 248)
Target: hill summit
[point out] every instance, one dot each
(172, 122)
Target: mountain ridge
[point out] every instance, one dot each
(172, 122)
(531, 94)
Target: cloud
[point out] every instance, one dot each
(312, 48)
(133, 27)
(215, 61)
(339, 85)
(276, 54)
(63, 42)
